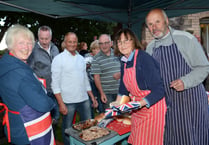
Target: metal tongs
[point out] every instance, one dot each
(104, 122)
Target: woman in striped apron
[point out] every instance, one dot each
(183, 68)
(140, 78)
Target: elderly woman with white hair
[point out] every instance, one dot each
(27, 107)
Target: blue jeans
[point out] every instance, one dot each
(84, 110)
(96, 93)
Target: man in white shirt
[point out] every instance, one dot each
(70, 84)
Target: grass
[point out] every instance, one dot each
(59, 130)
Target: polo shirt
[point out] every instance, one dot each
(106, 66)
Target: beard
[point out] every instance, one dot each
(160, 33)
(158, 36)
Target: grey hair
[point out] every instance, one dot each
(105, 35)
(164, 14)
(45, 28)
(14, 31)
(94, 44)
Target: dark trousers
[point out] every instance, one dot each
(54, 112)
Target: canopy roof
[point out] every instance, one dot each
(130, 13)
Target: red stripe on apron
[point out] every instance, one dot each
(38, 127)
(6, 119)
(147, 124)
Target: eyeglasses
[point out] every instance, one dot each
(119, 42)
(105, 43)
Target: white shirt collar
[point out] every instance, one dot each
(48, 50)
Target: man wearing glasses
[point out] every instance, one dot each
(106, 71)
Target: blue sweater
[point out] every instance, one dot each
(19, 90)
(147, 76)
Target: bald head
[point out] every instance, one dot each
(157, 23)
(70, 42)
(158, 12)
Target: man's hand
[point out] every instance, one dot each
(178, 85)
(94, 103)
(103, 98)
(116, 76)
(63, 109)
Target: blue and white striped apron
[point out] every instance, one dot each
(187, 111)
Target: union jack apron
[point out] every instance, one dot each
(147, 124)
(38, 126)
(187, 111)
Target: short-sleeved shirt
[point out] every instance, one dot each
(106, 66)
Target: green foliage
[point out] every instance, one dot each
(85, 29)
(2, 52)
